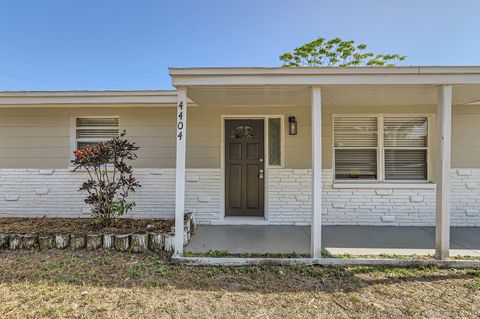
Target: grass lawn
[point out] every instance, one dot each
(104, 284)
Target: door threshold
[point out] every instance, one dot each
(241, 220)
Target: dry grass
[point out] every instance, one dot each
(103, 284)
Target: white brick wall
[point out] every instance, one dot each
(466, 197)
(288, 196)
(289, 188)
(204, 194)
(34, 192)
(37, 192)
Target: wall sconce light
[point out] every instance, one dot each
(292, 125)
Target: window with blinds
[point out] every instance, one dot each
(356, 146)
(380, 148)
(93, 130)
(406, 143)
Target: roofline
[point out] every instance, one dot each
(56, 98)
(429, 75)
(90, 93)
(324, 70)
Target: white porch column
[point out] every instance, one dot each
(316, 229)
(180, 168)
(444, 133)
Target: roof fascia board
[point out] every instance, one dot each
(327, 80)
(90, 93)
(154, 98)
(326, 76)
(325, 70)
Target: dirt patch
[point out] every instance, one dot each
(48, 226)
(102, 284)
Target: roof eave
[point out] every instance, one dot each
(59, 98)
(436, 75)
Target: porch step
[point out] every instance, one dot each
(241, 221)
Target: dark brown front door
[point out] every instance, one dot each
(244, 168)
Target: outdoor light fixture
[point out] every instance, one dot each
(292, 125)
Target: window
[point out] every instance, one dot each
(356, 147)
(274, 142)
(406, 143)
(243, 132)
(390, 148)
(92, 130)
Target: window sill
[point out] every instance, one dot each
(406, 185)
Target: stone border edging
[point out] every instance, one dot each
(127, 242)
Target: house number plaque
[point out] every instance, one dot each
(180, 123)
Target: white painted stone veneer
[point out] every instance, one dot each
(289, 189)
(34, 192)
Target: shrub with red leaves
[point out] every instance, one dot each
(110, 177)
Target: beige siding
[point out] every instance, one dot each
(466, 136)
(204, 134)
(39, 137)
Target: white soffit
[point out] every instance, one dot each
(335, 95)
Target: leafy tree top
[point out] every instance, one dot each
(337, 52)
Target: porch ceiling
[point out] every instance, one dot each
(335, 95)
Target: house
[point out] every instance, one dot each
(290, 146)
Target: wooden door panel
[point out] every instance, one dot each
(235, 186)
(252, 186)
(253, 151)
(244, 165)
(235, 151)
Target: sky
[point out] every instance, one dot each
(129, 44)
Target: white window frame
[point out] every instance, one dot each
(381, 150)
(73, 131)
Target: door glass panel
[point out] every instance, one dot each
(243, 132)
(274, 143)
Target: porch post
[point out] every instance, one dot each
(316, 228)
(444, 133)
(181, 138)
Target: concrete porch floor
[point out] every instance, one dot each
(357, 240)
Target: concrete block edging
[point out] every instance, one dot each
(334, 262)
